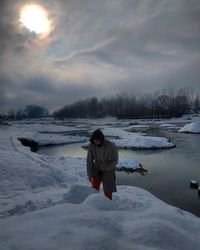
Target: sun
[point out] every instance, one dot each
(35, 19)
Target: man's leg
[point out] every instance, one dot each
(96, 183)
(108, 195)
(109, 185)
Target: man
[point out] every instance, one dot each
(102, 159)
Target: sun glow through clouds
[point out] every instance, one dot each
(35, 19)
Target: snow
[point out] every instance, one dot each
(118, 132)
(168, 125)
(171, 126)
(21, 171)
(130, 140)
(53, 139)
(128, 164)
(193, 127)
(83, 126)
(47, 128)
(183, 119)
(48, 138)
(143, 142)
(46, 203)
(135, 219)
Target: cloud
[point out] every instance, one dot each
(98, 48)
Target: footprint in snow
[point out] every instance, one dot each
(77, 194)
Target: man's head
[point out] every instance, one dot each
(97, 138)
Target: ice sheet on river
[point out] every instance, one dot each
(129, 140)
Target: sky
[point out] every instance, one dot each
(98, 48)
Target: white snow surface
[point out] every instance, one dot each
(143, 142)
(128, 164)
(47, 128)
(135, 219)
(168, 125)
(193, 127)
(138, 140)
(52, 139)
(46, 203)
(52, 136)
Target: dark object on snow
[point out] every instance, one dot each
(29, 143)
(199, 192)
(194, 184)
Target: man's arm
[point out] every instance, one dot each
(90, 162)
(112, 161)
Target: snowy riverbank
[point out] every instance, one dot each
(47, 203)
(193, 128)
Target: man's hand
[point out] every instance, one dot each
(103, 168)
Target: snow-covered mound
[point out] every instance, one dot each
(140, 142)
(193, 127)
(118, 132)
(135, 219)
(52, 139)
(128, 164)
(20, 169)
(129, 140)
(143, 142)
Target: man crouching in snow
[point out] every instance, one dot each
(102, 159)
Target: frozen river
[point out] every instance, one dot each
(169, 170)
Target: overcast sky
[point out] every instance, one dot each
(98, 48)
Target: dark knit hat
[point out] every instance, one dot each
(97, 135)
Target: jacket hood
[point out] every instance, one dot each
(97, 135)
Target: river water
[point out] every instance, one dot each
(169, 170)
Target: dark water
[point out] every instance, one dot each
(169, 171)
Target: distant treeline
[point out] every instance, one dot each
(28, 112)
(160, 104)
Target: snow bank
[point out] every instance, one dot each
(47, 204)
(128, 164)
(171, 126)
(129, 140)
(21, 169)
(193, 127)
(143, 142)
(46, 135)
(52, 139)
(29, 178)
(140, 142)
(168, 125)
(118, 132)
(135, 219)
(47, 128)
